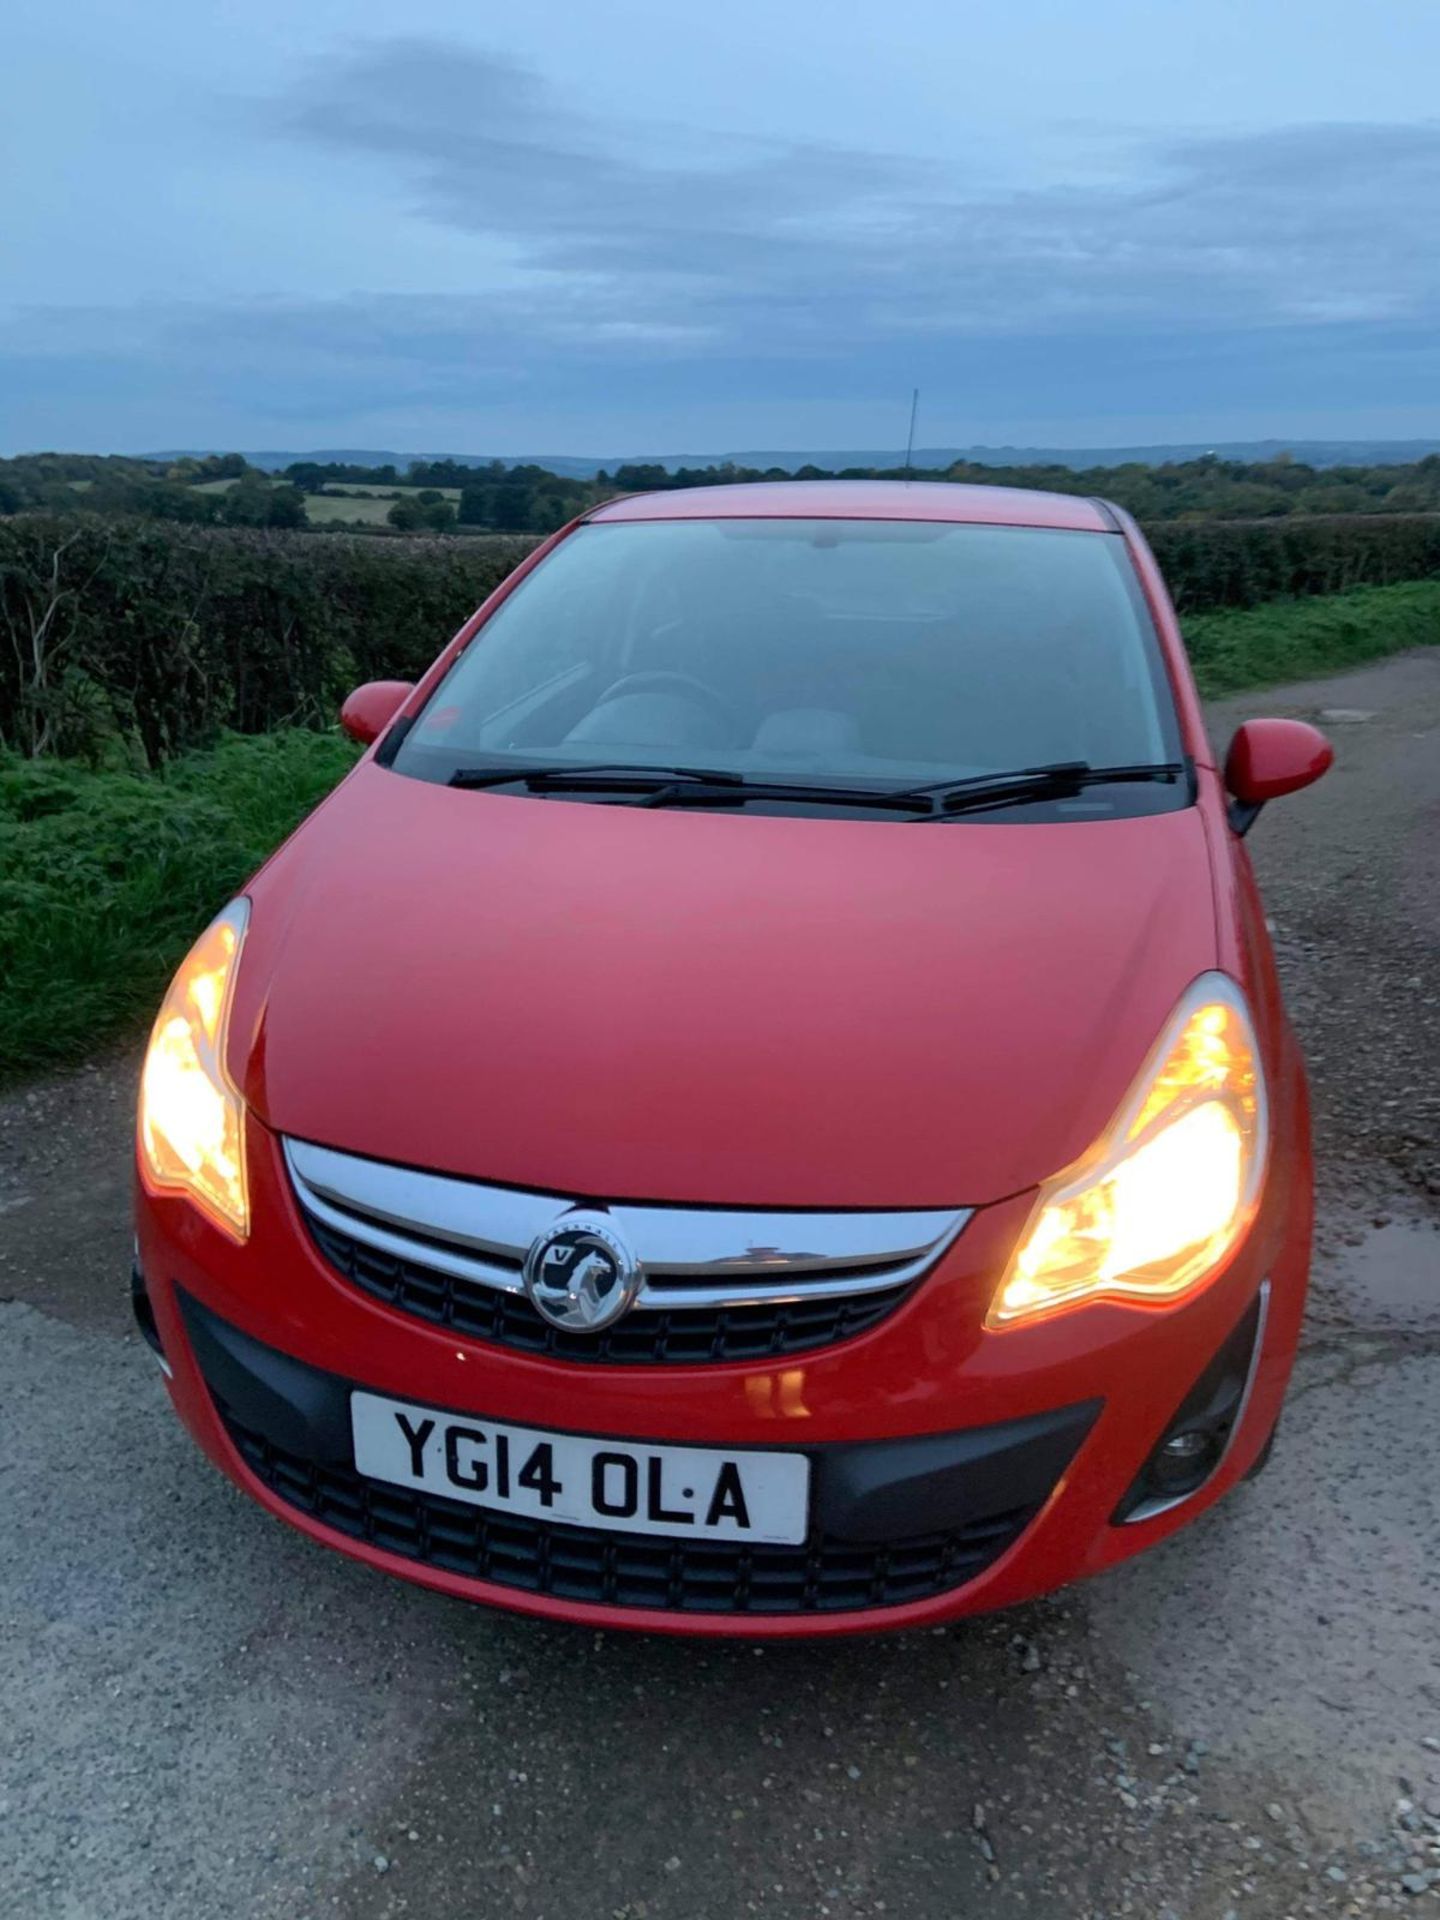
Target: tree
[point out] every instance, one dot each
(418, 515)
(307, 475)
(641, 477)
(477, 506)
(439, 473)
(247, 504)
(287, 508)
(513, 504)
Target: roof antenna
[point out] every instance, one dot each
(910, 443)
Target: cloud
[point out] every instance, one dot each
(706, 239)
(634, 275)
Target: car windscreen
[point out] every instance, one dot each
(854, 651)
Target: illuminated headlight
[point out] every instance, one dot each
(192, 1121)
(1173, 1183)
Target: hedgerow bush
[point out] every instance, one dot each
(134, 640)
(1230, 563)
(155, 636)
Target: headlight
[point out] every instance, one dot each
(192, 1121)
(1172, 1184)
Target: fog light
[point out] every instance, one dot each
(1184, 1459)
(1193, 1444)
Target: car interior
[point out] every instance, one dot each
(774, 652)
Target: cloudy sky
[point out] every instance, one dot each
(645, 225)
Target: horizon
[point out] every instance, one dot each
(1375, 451)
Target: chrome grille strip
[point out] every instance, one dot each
(494, 1220)
(692, 1257)
(424, 1252)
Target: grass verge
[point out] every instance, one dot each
(1302, 639)
(106, 878)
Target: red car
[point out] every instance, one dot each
(762, 1104)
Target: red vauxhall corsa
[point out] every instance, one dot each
(762, 1104)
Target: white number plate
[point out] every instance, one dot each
(706, 1493)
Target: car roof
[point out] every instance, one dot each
(865, 500)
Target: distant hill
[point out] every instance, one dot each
(1315, 453)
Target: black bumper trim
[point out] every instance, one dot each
(145, 1314)
(891, 1520)
(1211, 1410)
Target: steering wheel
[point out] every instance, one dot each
(659, 678)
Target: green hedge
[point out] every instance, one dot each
(1241, 563)
(157, 636)
(137, 640)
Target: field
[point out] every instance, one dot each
(363, 505)
(339, 510)
(359, 504)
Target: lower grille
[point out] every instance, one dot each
(645, 1336)
(626, 1570)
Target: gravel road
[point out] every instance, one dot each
(204, 1716)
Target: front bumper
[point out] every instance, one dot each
(892, 1521)
(955, 1470)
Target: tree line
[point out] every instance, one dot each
(223, 490)
(116, 486)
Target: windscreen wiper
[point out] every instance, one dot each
(659, 786)
(606, 776)
(940, 801)
(1056, 781)
(655, 786)
(740, 790)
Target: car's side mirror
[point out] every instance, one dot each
(370, 709)
(1268, 758)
